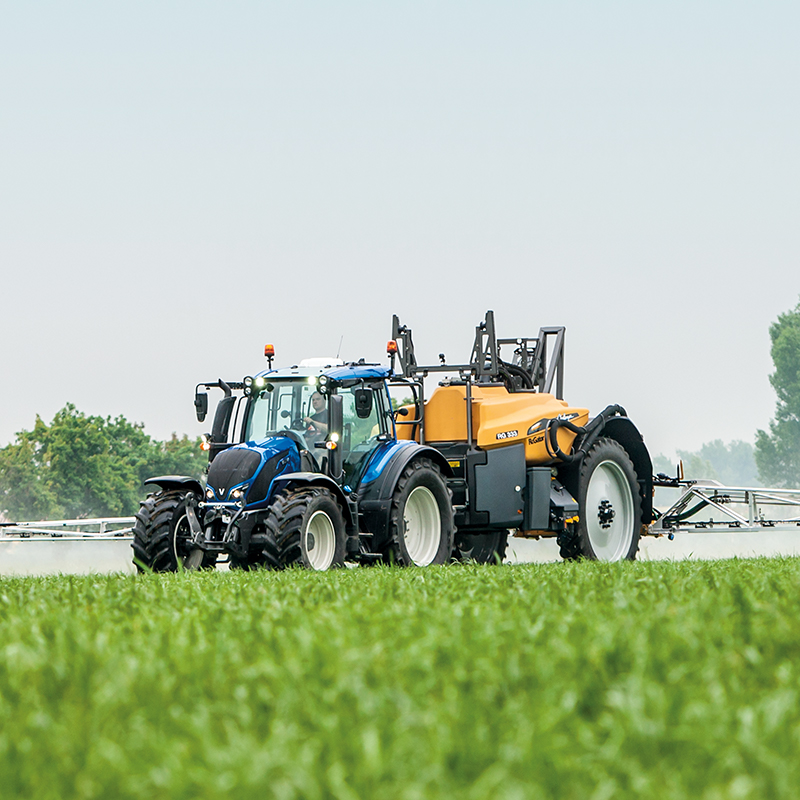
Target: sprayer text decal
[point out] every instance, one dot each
(507, 435)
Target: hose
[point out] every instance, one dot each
(514, 376)
(589, 433)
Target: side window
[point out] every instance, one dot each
(361, 430)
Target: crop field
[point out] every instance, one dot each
(574, 680)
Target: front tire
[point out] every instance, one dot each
(162, 536)
(610, 507)
(421, 518)
(263, 552)
(308, 526)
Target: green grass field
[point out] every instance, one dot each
(586, 681)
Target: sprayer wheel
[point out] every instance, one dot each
(610, 507)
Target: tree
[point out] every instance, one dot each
(86, 466)
(732, 464)
(778, 451)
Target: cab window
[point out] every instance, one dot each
(281, 406)
(364, 418)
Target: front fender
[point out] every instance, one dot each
(177, 483)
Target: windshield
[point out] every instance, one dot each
(288, 405)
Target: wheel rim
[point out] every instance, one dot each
(192, 557)
(320, 541)
(423, 526)
(609, 512)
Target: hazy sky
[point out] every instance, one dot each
(182, 182)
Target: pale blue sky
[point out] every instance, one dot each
(182, 182)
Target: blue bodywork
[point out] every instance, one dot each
(381, 457)
(277, 455)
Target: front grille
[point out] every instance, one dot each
(230, 468)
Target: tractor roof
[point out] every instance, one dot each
(335, 372)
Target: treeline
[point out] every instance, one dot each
(86, 466)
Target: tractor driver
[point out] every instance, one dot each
(317, 423)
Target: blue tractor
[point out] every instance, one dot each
(305, 467)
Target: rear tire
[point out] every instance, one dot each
(162, 537)
(610, 507)
(421, 518)
(308, 526)
(482, 547)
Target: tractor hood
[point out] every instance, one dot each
(249, 469)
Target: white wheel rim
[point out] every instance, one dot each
(423, 526)
(609, 512)
(194, 558)
(320, 541)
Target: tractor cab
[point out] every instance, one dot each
(337, 417)
(315, 419)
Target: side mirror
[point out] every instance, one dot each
(201, 405)
(335, 425)
(402, 411)
(363, 398)
(222, 421)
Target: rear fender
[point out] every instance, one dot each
(177, 483)
(375, 498)
(622, 430)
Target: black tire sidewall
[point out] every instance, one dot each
(481, 546)
(608, 450)
(423, 474)
(177, 515)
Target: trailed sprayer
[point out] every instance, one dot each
(316, 464)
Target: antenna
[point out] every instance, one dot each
(340, 346)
